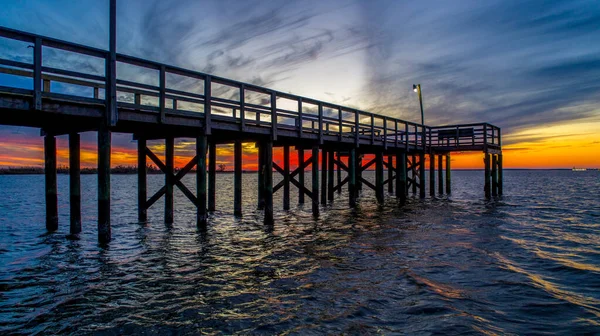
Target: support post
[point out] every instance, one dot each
(500, 175)
(269, 182)
(379, 177)
(237, 179)
(261, 175)
(413, 169)
(142, 181)
(330, 178)
(359, 164)
(487, 188)
(286, 177)
(323, 176)
(301, 175)
(390, 171)
(441, 174)
(431, 174)
(75, 183)
(448, 175)
(315, 181)
(212, 175)
(169, 163)
(104, 145)
(401, 177)
(201, 217)
(339, 170)
(494, 175)
(422, 175)
(51, 190)
(352, 178)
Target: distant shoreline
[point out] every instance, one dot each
(121, 170)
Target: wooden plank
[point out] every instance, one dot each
(207, 105)
(274, 116)
(37, 74)
(162, 98)
(261, 176)
(339, 170)
(320, 123)
(74, 183)
(300, 131)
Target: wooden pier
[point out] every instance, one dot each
(213, 111)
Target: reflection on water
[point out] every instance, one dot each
(526, 263)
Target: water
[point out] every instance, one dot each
(526, 263)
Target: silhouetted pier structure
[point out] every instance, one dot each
(215, 110)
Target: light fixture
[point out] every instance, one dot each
(415, 87)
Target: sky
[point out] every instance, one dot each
(531, 68)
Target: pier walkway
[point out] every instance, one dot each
(157, 101)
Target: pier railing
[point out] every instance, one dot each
(164, 90)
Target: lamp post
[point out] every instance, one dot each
(417, 89)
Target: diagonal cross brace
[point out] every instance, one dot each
(176, 179)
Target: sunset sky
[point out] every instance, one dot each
(531, 68)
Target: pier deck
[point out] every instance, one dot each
(157, 101)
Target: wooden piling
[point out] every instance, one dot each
(261, 176)
(201, 214)
(104, 146)
(237, 179)
(323, 176)
(448, 175)
(359, 165)
(286, 177)
(413, 169)
(51, 189)
(268, 182)
(142, 181)
(494, 175)
(390, 174)
(315, 181)
(352, 178)
(379, 177)
(339, 172)
(330, 178)
(301, 175)
(441, 174)
(422, 175)
(431, 174)
(75, 183)
(500, 175)
(401, 177)
(212, 175)
(169, 163)
(487, 187)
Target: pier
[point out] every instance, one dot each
(333, 143)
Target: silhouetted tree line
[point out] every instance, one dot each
(65, 170)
